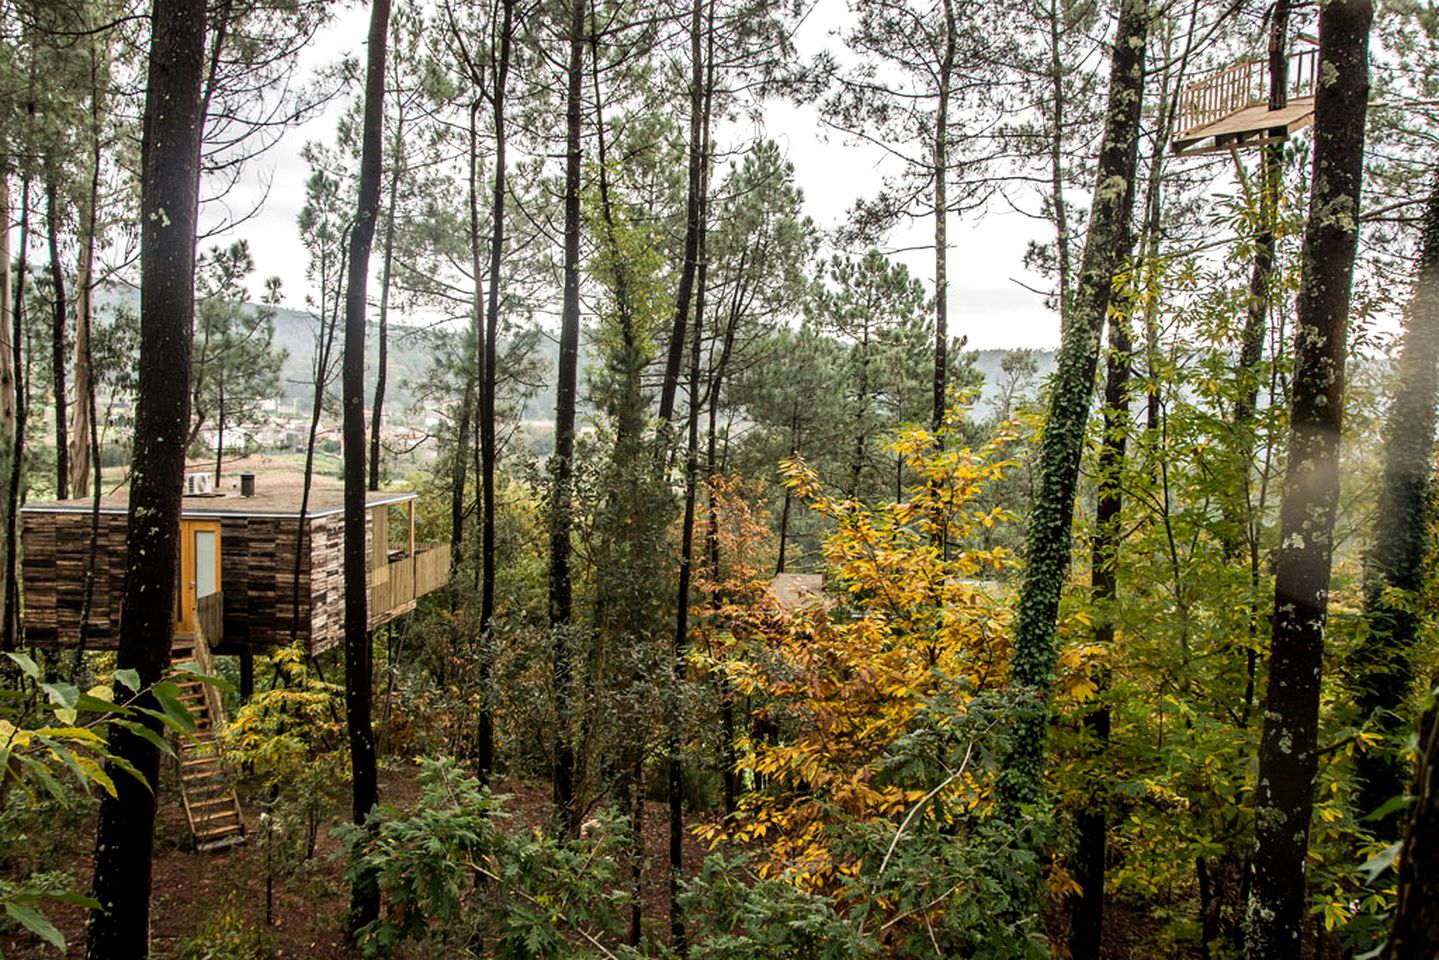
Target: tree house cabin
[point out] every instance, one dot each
(238, 566)
(1232, 107)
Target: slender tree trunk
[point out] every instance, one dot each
(460, 467)
(1288, 750)
(7, 385)
(675, 784)
(561, 593)
(1087, 917)
(1382, 668)
(1058, 103)
(219, 434)
(382, 371)
(170, 162)
(941, 215)
(1106, 249)
(788, 496)
(488, 386)
(861, 438)
(365, 889)
(83, 414)
(11, 626)
(1415, 934)
(693, 198)
(323, 352)
(57, 342)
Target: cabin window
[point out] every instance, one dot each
(205, 565)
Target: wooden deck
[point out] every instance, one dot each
(1247, 127)
(1231, 108)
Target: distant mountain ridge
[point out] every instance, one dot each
(412, 349)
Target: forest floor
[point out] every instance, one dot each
(202, 896)
(195, 895)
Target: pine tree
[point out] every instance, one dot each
(1106, 251)
(170, 158)
(365, 890)
(1288, 751)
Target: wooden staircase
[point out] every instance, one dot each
(211, 805)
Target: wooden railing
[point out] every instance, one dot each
(209, 631)
(1243, 85)
(396, 585)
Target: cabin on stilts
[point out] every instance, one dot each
(254, 572)
(1234, 107)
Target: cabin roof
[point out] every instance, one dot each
(270, 500)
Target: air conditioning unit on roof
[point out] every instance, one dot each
(199, 484)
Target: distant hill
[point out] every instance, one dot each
(412, 351)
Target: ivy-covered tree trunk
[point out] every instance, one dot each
(1382, 668)
(1087, 917)
(1288, 750)
(365, 889)
(561, 593)
(1047, 548)
(169, 197)
(1415, 935)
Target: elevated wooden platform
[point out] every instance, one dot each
(1232, 108)
(1247, 127)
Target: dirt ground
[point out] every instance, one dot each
(188, 888)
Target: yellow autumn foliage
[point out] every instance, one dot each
(907, 607)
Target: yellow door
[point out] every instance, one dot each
(199, 568)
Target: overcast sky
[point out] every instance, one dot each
(987, 302)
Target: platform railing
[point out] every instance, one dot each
(397, 584)
(1244, 84)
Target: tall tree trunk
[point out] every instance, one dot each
(11, 627)
(488, 385)
(1087, 916)
(382, 371)
(459, 469)
(1060, 206)
(1382, 668)
(169, 197)
(1106, 250)
(57, 340)
(324, 350)
(861, 438)
(7, 383)
(1415, 935)
(561, 593)
(941, 215)
(693, 198)
(680, 642)
(1288, 750)
(83, 413)
(365, 889)
(219, 434)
